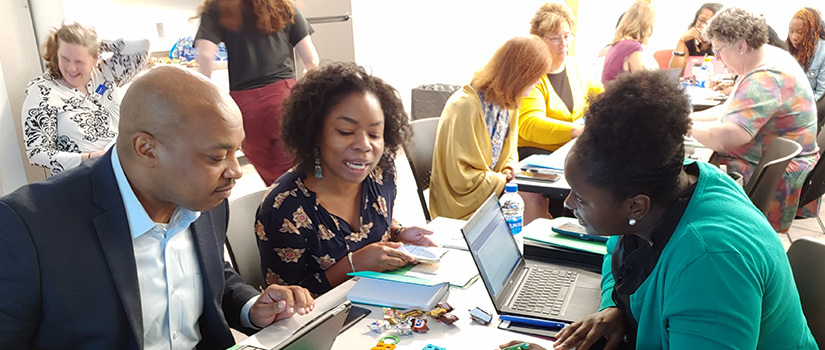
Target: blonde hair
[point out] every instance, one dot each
(549, 17)
(72, 33)
(515, 66)
(636, 23)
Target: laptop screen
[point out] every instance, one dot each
(489, 238)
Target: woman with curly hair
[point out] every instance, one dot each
(806, 42)
(260, 36)
(626, 53)
(771, 98)
(475, 147)
(71, 113)
(691, 263)
(332, 213)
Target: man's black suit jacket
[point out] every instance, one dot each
(68, 277)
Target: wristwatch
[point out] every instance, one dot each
(678, 53)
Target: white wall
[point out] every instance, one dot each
(12, 174)
(137, 19)
(409, 43)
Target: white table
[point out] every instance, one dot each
(463, 334)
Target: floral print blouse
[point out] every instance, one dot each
(60, 123)
(299, 239)
(768, 103)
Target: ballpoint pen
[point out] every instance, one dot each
(533, 321)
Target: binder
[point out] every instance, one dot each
(397, 294)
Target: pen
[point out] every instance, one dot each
(533, 321)
(541, 171)
(521, 346)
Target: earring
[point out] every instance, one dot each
(631, 222)
(319, 173)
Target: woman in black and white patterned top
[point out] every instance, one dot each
(71, 112)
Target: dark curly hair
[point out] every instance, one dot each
(733, 24)
(322, 89)
(633, 139)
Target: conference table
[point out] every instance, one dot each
(559, 189)
(463, 334)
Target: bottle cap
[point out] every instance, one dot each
(510, 187)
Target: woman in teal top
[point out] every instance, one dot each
(691, 264)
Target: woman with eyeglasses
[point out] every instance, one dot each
(548, 116)
(691, 43)
(771, 98)
(626, 53)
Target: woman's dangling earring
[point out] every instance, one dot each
(631, 222)
(319, 173)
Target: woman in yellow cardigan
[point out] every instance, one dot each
(475, 147)
(547, 117)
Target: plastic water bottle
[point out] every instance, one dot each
(513, 207)
(708, 64)
(702, 77)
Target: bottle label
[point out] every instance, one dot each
(515, 224)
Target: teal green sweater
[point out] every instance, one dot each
(722, 282)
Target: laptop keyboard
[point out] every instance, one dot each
(544, 291)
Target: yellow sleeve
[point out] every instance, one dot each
(461, 178)
(538, 122)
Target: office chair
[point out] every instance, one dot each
(419, 153)
(807, 258)
(814, 186)
(241, 240)
(663, 58)
(761, 188)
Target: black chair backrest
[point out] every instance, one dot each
(814, 186)
(419, 152)
(241, 240)
(807, 258)
(761, 188)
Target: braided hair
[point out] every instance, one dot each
(813, 31)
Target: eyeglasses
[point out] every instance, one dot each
(716, 50)
(566, 37)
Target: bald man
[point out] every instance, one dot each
(126, 251)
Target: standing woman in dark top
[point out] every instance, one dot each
(260, 36)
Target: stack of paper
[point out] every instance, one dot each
(541, 230)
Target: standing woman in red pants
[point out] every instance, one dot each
(260, 36)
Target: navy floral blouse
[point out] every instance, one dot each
(299, 239)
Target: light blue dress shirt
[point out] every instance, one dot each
(169, 276)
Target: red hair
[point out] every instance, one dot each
(812, 32)
(515, 67)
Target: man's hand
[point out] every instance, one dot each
(608, 323)
(280, 302)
